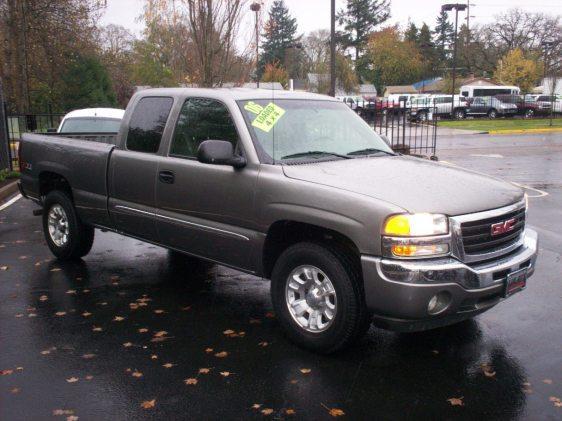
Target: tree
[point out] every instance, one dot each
(279, 37)
(393, 61)
(411, 33)
(515, 69)
(359, 19)
(87, 84)
(427, 51)
(213, 25)
(444, 35)
(274, 72)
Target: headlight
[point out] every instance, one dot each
(416, 235)
(416, 225)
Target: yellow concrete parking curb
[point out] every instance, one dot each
(519, 131)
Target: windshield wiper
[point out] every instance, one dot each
(369, 151)
(310, 153)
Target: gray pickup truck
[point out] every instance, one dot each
(295, 188)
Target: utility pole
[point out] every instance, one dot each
(256, 7)
(447, 8)
(546, 45)
(333, 48)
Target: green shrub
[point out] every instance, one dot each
(6, 174)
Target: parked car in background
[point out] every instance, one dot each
(489, 106)
(527, 107)
(439, 105)
(92, 120)
(553, 101)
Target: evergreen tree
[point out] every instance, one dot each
(444, 34)
(427, 51)
(87, 84)
(359, 19)
(411, 33)
(280, 35)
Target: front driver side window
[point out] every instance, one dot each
(201, 119)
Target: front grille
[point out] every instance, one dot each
(477, 235)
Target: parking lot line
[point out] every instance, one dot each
(10, 202)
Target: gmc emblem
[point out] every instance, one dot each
(503, 227)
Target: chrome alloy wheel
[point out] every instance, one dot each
(57, 222)
(311, 298)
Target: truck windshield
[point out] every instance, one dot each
(291, 129)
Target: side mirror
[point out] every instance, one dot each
(219, 152)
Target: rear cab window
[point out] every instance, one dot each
(147, 124)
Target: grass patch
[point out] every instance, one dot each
(501, 124)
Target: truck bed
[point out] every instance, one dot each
(83, 163)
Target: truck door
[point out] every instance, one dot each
(206, 210)
(133, 169)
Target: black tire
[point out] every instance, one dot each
(529, 113)
(422, 116)
(492, 113)
(460, 114)
(352, 320)
(80, 236)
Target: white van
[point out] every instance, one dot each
(472, 91)
(92, 120)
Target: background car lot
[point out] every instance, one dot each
(82, 337)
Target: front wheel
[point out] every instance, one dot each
(459, 114)
(317, 295)
(422, 116)
(529, 113)
(67, 237)
(492, 113)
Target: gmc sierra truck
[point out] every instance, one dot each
(295, 188)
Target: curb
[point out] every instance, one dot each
(8, 190)
(523, 131)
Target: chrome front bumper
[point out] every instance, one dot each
(398, 291)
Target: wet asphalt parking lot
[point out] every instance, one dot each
(131, 332)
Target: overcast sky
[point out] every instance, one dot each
(315, 14)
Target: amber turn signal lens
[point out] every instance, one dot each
(401, 250)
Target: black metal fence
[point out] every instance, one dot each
(18, 124)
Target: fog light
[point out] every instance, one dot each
(439, 303)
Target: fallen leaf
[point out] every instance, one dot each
(305, 370)
(290, 411)
(168, 365)
(3, 267)
(225, 373)
(15, 390)
(19, 368)
(136, 374)
(143, 330)
(55, 270)
(148, 404)
(209, 350)
(267, 411)
(294, 381)
(256, 406)
(221, 354)
(547, 381)
(72, 380)
(60, 313)
(88, 356)
(96, 329)
(335, 412)
(60, 412)
(72, 418)
(554, 399)
(19, 315)
(159, 311)
(128, 344)
(43, 298)
(71, 291)
(86, 314)
(89, 377)
(263, 344)
(133, 306)
(228, 332)
(456, 401)
(154, 357)
(160, 334)
(118, 319)
(204, 370)
(6, 372)
(191, 381)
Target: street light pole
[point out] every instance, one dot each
(256, 7)
(333, 48)
(446, 8)
(546, 45)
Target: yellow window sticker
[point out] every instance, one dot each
(268, 116)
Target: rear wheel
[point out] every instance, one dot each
(529, 113)
(459, 114)
(67, 237)
(492, 113)
(317, 295)
(422, 116)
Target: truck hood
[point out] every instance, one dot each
(414, 184)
